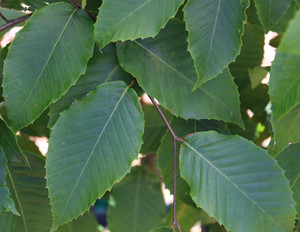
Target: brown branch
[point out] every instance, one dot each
(3, 17)
(14, 22)
(78, 5)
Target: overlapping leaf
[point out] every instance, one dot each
(270, 11)
(215, 31)
(9, 143)
(286, 130)
(289, 160)
(224, 170)
(285, 78)
(9, 14)
(6, 203)
(85, 223)
(132, 19)
(155, 128)
(95, 153)
(28, 189)
(102, 67)
(139, 204)
(62, 39)
(162, 229)
(164, 69)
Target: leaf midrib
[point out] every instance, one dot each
(262, 210)
(93, 149)
(47, 61)
(18, 199)
(182, 76)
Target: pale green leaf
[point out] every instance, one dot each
(62, 40)
(164, 69)
(238, 172)
(289, 160)
(132, 19)
(285, 78)
(165, 155)
(256, 75)
(139, 203)
(9, 143)
(155, 128)
(28, 189)
(102, 67)
(83, 4)
(95, 153)
(286, 130)
(215, 31)
(271, 11)
(6, 203)
(85, 223)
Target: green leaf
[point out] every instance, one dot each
(289, 160)
(251, 55)
(237, 172)
(62, 39)
(139, 203)
(256, 75)
(85, 223)
(10, 14)
(95, 153)
(3, 53)
(215, 31)
(83, 4)
(165, 156)
(9, 143)
(155, 128)
(28, 190)
(271, 11)
(102, 67)
(285, 78)
(164, 68)
(162, 229)
(286, 130)
(132, 19)
(6, 203)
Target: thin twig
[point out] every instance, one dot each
(175, 139)
(14, 22)
(78, 5)
(3, 17)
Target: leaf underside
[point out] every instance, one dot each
(132, 19)
(215, 31)
(238, 172)
(164, 69)
(62, 38)
(95, 153)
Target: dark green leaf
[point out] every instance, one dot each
(215, 32)
(286, 130)
(9, 143)
(132, 19)
(165, 152)
(155, 128)
(162, 229)
(9, 14)
(289, 160)
(95, 153)
(62, 39)
(238, 172)
(27, 145)
(164, 69)
(103, 67)
(252, 16)
(3, 53)
(138, 203)
(271, 11)
(85, 223)
(285, 78)
(6, 203)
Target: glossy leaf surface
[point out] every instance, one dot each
(261, 188)
(285, 78)
(215, 31)
(102, 67)
(62, 39)
(270, 11)
(164, 68)
(132, 19)
(94, 154)
(139, 204)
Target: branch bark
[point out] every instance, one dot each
(13, 22)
